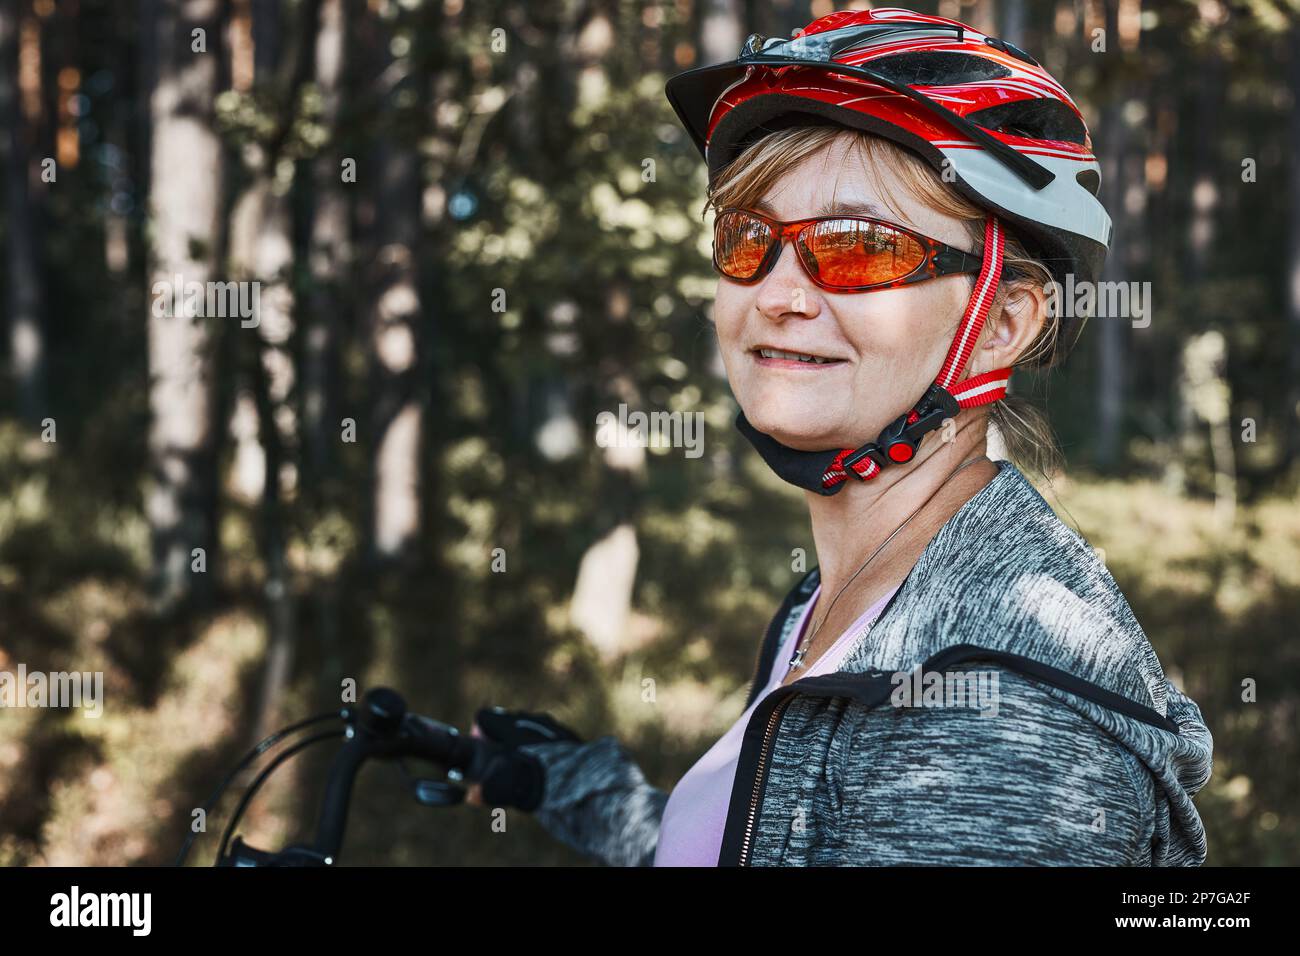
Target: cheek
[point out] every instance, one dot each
(729, 307)
(908, 323)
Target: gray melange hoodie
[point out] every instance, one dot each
(1070, 746)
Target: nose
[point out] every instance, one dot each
(786, 291)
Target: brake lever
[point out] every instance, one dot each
(431, 793)
(437, 793)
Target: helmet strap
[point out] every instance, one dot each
(825, 472)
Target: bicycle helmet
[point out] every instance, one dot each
(1014, 140)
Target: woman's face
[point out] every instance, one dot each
(885, 347)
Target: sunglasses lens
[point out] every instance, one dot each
(740, 243)
(849, 253)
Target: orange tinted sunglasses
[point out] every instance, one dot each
(839, 253)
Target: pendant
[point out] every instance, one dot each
(797, 660)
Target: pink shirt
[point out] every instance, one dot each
(690, 833)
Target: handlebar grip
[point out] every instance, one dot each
(439, 742)
(509, 778)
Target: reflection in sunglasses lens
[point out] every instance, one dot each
(740, 244)
(852, 253)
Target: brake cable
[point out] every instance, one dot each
(252, 755)
(261, 778)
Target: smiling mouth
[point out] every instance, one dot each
(801, 357)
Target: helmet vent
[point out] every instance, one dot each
(1034, 119)
(1089, 180)
(936, 68)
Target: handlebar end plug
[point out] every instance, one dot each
(382, 711)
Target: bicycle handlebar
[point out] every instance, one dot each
(381, 728)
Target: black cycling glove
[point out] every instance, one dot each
(515, 727)
(510, 777)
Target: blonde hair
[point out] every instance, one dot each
(1020, 425)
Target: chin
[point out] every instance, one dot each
(813, 430)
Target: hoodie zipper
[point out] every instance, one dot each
(760, 780)
(760, 773)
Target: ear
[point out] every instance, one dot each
(1011, 326)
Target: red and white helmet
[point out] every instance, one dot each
(1013, 138)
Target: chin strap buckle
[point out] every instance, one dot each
(899, 441)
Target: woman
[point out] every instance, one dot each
(960, 680)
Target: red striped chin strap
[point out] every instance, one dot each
(943, 399)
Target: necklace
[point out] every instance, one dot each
(797, 660)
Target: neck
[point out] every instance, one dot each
(849, 526)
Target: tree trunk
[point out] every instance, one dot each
(394, 323)
(1205, 202)
(601, 606)
(602, 595)
(185, 206)
(1291, 408)
(24, 300)
(262, 253)
(328, 257)
(720, 31)
(1111, 339)
(1013, 23)
(1206, 396)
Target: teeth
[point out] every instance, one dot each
(798, 356)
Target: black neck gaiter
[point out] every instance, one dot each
(801, 468)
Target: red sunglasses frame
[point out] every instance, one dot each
(940, 259)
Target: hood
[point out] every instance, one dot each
(1053, 604)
